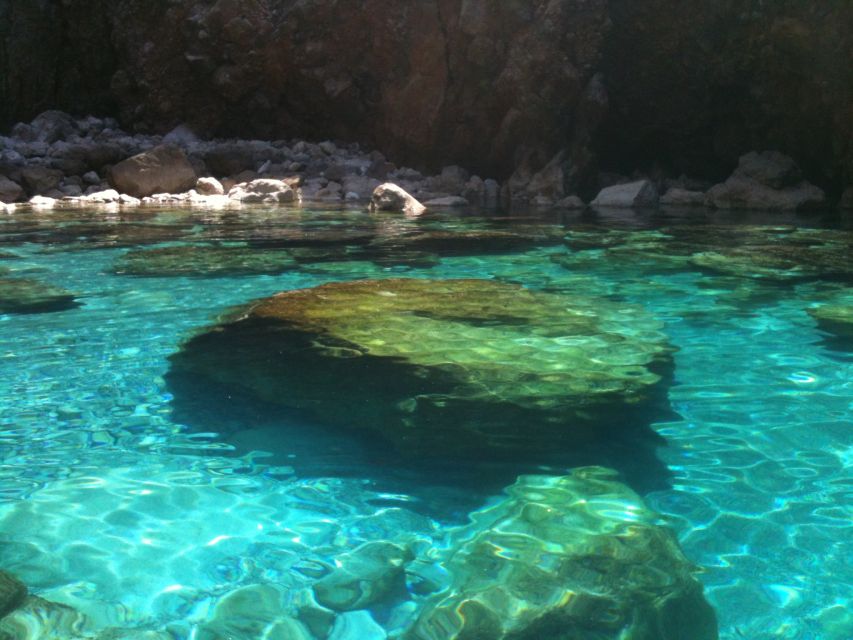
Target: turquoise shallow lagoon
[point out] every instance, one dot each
(113, 503)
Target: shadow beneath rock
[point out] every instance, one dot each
(446, 487)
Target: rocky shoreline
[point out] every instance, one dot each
(59, 161)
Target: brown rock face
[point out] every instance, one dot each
(471, 80)
(163, 169)
(492, 86)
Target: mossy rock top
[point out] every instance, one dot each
(835, 318)
(427, 362)
(576, 556)
(489, 334)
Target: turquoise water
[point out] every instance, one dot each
(110, 504)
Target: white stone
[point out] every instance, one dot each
(103, 197)
(209, 186)
(390, 197)
(42, 202)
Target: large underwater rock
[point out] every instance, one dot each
(442, 367)
(22, 295)
(204, 261)
(773, 253)
(567, 558)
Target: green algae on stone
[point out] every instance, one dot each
(441, 366)
(22, 295)
(204, 261)
(836, 319)
(780, 253)
(573, 557)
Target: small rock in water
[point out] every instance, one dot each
(390, 197)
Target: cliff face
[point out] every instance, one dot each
(54, 55)
(490, 85)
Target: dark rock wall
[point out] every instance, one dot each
(690, 85)
(54, 54)
(695, 84)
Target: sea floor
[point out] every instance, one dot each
(111, 506)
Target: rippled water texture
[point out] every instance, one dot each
(141, 510)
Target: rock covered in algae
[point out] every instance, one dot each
(772, 252)
(22, 295)
(440, 366)
(204, 261)
(568, 557)
(834, 318)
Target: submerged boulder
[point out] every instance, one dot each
(204, 261)
(770, 252)
(579, 556)
(447, 367)
(21, 295)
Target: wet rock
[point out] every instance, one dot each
(549, 181)
(209, 187)
(846, 199)
(163, 169)
(767, 180)
(10, 191)
(13, 592)
(434, 367)
(368, 575)
(579, 556)
(683, 198)
(447, 202)
(19, 295)
(204, 261)
(390, 197)
(491, 193)
(40, 180)
(641, 193)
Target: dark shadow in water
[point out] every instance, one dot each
(446, 487)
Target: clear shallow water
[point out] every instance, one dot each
(113, 507)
